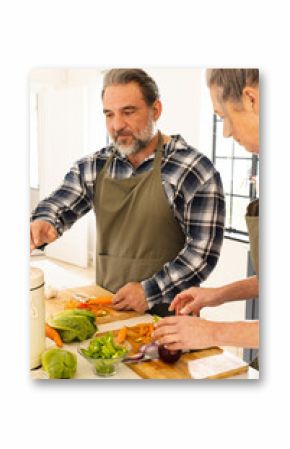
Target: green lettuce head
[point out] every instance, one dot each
(74, 324)
(59, 363)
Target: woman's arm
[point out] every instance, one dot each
(194, 299)
(186, 332)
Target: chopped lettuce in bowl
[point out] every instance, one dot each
(104, 354)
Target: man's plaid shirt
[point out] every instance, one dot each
(195, 194)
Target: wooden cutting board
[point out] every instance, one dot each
(58, 304)
(156, 369)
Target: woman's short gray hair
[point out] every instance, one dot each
(124, 76)
(232, 81)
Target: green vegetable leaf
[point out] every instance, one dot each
(59, 363)
(74, 324)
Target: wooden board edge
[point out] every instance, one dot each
(230, 373)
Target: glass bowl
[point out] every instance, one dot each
(104, 367)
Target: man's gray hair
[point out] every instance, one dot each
(124, 76)
(232, 81)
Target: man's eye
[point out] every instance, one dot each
(109, 115)
(129, 112)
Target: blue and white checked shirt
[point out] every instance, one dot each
(195, 194)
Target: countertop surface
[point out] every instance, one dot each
(85, 369)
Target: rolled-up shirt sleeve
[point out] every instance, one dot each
(71, 200)
(199, 207)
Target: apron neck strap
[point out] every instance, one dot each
(159, 149)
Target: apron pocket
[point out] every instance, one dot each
(113, 272)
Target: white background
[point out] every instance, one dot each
(130, 33)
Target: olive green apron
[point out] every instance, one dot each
(137, 232)
(252, 219)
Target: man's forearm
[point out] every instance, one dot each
(244, 289)
(69, 202)
(243, 334)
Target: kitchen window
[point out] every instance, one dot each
(239, 173)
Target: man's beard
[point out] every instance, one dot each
(140, 140)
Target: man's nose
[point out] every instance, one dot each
(118, 123)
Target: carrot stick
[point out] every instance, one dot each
(101, 300)
(52, 333)
(135, 346)
(122, 335)
(132, 332)
(141, 329)
(97, 308)
(150, 328)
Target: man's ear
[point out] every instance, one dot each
(251, 99)
(157, 109)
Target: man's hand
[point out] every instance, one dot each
(131, 297)
(184, 332)
(41, 232)
(194, 299)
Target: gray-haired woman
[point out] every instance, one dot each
(235, 98)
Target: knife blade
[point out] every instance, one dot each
(141, 359)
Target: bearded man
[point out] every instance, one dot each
(158, 202)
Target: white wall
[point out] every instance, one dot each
(70, 125)
(180, 95)
(34, 198)
(232, 266)
(206, 117)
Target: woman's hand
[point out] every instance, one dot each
(192, 300)
(184, 332)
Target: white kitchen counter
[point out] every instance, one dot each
(86, 371)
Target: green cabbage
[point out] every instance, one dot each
(74, 324)
(59, 363)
